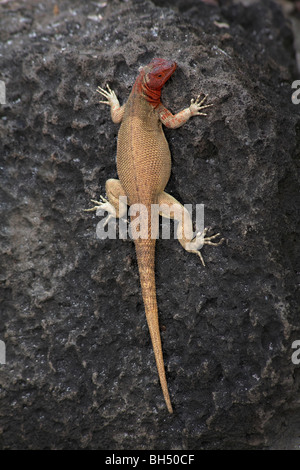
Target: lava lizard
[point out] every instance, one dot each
(144, 166)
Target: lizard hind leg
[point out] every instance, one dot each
(115, 191)
(199, 240)
(169, 207)
(115, 206)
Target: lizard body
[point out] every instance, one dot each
(144, 166)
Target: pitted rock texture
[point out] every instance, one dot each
(80, 372)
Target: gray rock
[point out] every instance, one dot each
(80, 371)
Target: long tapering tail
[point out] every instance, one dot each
(145, 251)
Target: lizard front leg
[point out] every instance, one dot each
(174, 121)
(116, 110)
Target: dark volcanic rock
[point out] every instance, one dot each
(80, 372)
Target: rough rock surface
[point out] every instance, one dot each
(80, 372)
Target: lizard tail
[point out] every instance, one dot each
(145, 252)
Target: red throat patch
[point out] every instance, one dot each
(152, 78)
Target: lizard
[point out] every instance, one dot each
(143, 167)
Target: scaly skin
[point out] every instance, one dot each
(144, 166)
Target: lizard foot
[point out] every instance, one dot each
(104, 204)
(109, 95)
(98, 204)
(200, 240)
(197, 105)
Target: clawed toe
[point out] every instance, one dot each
(98, 204)
(201, 240)
(207, 240)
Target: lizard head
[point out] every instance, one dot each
(158, 72)
(152, 78)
